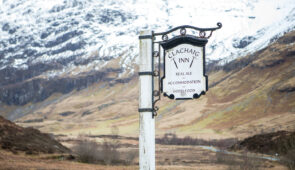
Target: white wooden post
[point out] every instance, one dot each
(147, 121)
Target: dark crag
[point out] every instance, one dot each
(29, 140)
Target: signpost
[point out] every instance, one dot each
(147, 121)
(183, 77)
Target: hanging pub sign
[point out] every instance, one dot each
(184, 63)
(184, 67)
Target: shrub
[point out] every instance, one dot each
(110, 152)
(87, 151)
(130, 156)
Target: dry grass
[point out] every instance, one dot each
(16, 162)
(167, 158)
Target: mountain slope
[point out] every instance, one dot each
(61, 46)
(254, 96)
(250, 95)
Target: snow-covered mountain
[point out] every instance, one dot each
(55, 38)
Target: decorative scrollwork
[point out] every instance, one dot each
(165, 37)
(219, 24)
(156, 54)
(156, 108)
(182, 31)
(156, 93)
(202, 34)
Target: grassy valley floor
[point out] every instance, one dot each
(168, 158)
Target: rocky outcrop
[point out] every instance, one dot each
(39, 89)
(287, 40)
(244, 42)
(12, 75)
(288, 86)
(267, 62)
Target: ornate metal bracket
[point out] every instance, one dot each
(203, 32)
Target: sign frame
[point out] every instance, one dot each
(197, 37)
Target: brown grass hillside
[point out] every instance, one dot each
(29, 140)
(250, 95)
